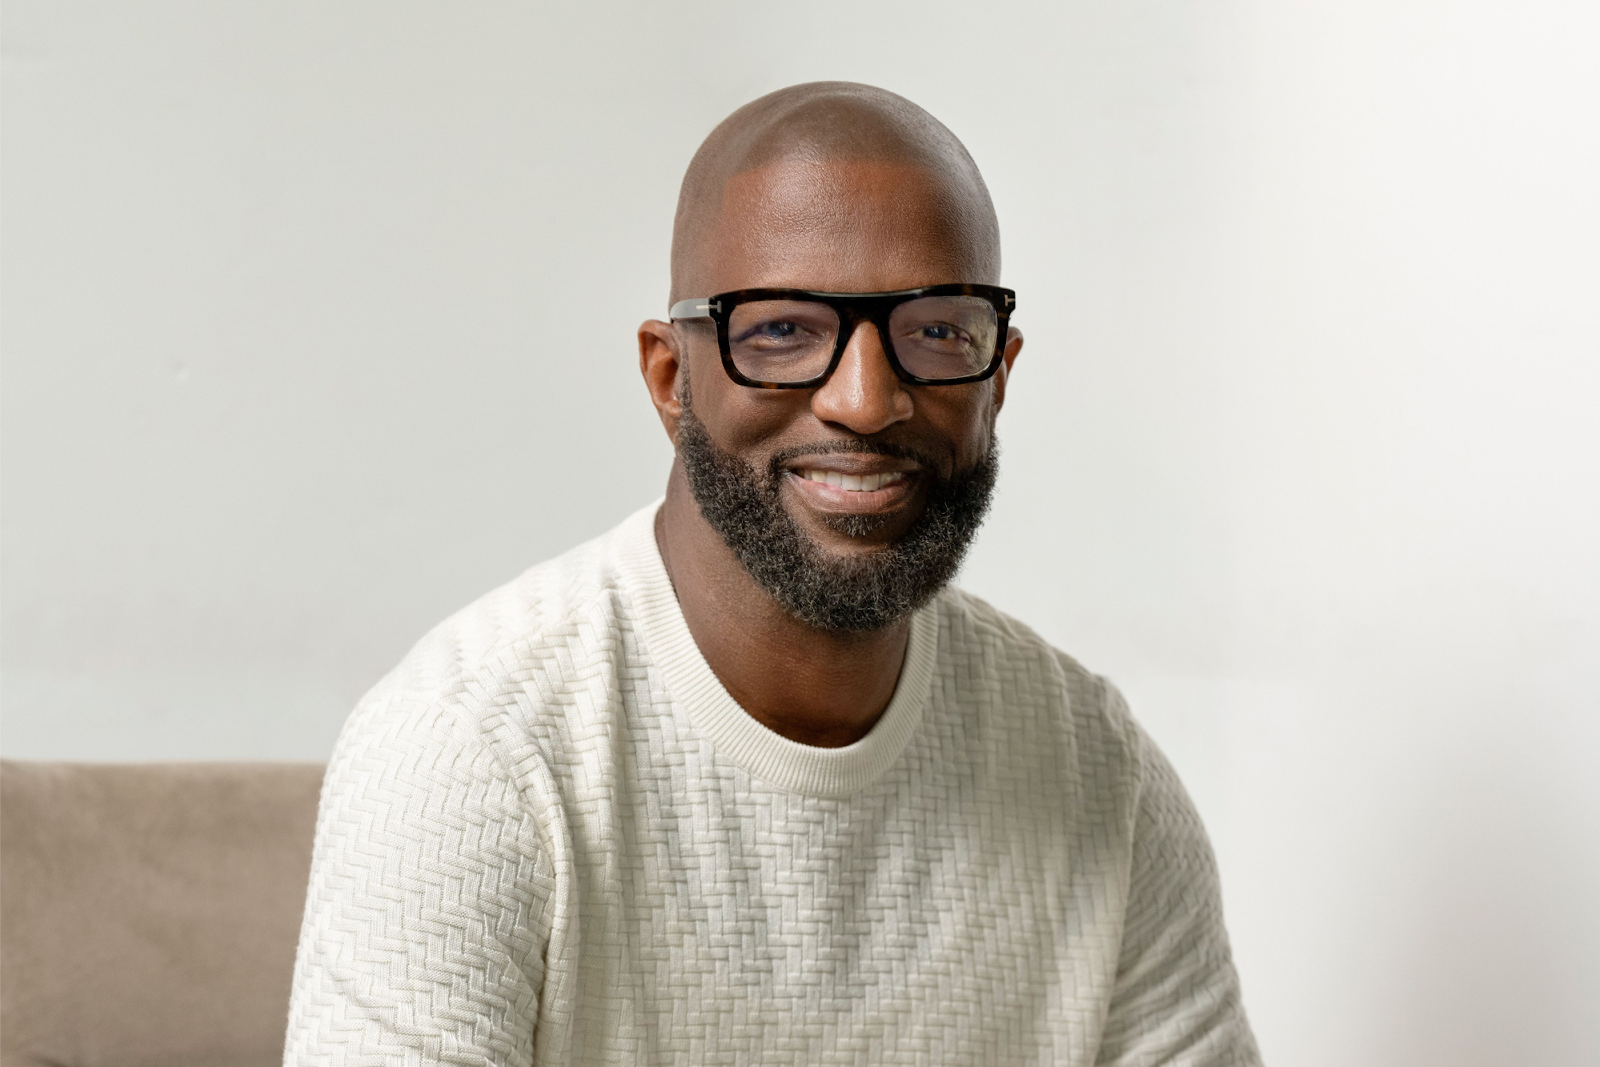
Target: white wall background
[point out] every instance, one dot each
(319, 322)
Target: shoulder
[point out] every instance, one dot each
(494, 635)
(1065, 727)
(976, 637)
(1045, 698)
(492, 672)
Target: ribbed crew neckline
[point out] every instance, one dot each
(737, 736)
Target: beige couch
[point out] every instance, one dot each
(148, 913)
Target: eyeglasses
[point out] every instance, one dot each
(794, 338)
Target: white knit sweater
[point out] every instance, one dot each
(551, 836)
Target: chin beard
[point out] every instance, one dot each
(831, 592)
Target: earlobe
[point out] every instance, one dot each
(661, 366)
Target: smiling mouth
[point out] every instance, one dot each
(853, 483)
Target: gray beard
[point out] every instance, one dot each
(841, 594)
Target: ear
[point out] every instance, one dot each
(1013, 348)
(661, 364)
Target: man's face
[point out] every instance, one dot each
(841, 227)
(916, 461)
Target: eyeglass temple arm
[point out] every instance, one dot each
(696, 307)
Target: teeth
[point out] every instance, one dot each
(855, 483)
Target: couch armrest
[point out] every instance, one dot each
(149, 912)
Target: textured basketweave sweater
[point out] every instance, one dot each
(550, 836)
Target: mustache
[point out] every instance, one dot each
(925, 460)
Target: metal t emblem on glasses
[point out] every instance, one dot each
(794, 338)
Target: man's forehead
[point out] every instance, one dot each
(804, 190)
(853, 163)
(804, 219)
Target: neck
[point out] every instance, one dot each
(811, 686)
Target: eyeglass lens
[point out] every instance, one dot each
(933, 337)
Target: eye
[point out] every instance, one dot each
(776, 333)
(940, 331)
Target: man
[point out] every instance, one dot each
(742, 781)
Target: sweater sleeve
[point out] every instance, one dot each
(1176, 999)
(421, 942)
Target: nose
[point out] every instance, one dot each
(863, 394)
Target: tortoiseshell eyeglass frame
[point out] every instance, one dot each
(852, 309)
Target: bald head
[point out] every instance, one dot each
(827, 136)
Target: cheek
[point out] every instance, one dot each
(738, 417)
(962, 415)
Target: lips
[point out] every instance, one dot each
(855, 483)
(852, 483)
